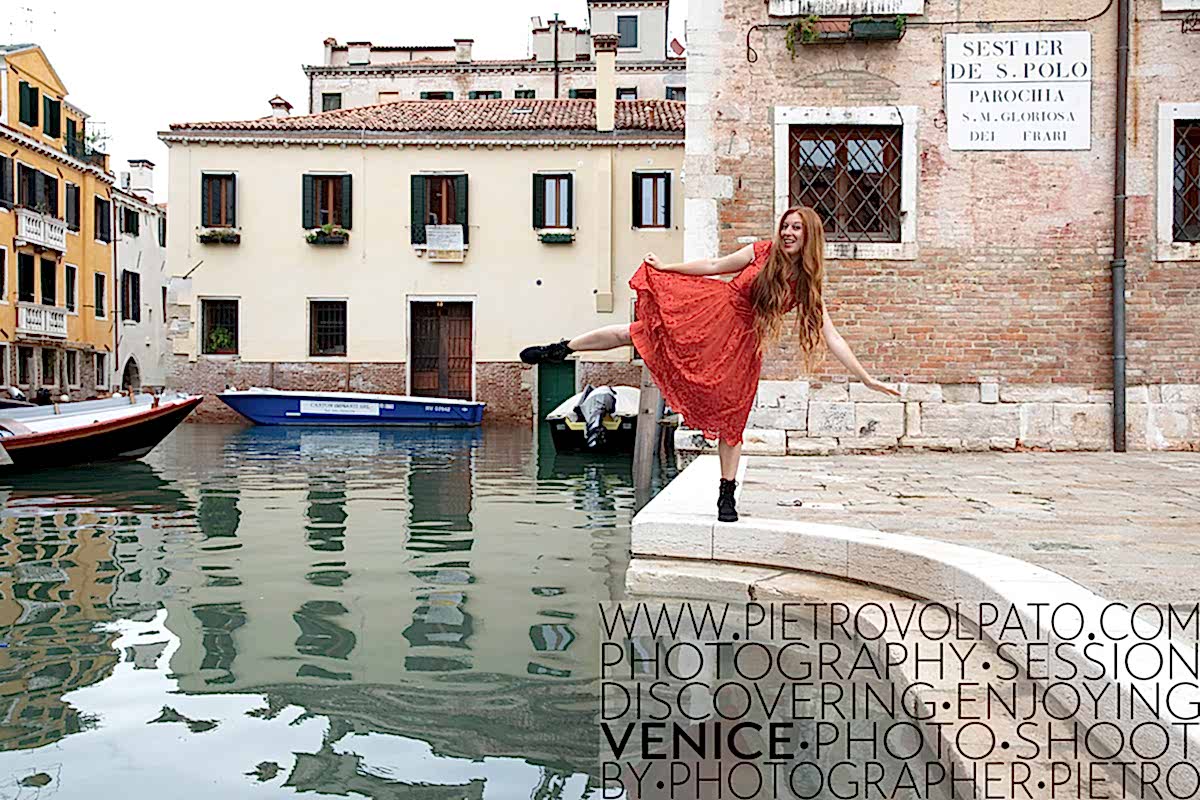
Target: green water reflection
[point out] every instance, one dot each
(267, 611)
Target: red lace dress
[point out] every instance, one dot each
(696, 335)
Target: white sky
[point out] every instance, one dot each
(139, 65)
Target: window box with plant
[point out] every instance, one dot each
(328, 234)
(556, 237)
(219, 236)
(878, 29)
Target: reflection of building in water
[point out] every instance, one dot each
(327, 772)
(55, 587)
(400, 591)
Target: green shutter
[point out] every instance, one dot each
(205, 202)
(47, 116)
(539, 201)
(33, 106)
(667, 205)
(424, 95)
(460, 205)
(573, 94)
(418, 209)
(308, 216)
(231, 202)
(637, 201)
(570, 201)
(347, 205)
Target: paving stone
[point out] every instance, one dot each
(800, 445)
(764, 442)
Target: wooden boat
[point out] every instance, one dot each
(568, 428)
(63, 434)
(275, 407)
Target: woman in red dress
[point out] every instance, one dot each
(703, 339)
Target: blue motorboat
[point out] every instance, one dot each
(275, 407)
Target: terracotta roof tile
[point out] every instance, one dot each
(467, 116)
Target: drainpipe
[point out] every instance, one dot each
(1118, 259)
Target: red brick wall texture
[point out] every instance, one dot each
(1012, 279)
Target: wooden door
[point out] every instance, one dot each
(442, 358)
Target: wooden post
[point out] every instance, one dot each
(649, 409)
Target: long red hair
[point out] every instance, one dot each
(785, 282)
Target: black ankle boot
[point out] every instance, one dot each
(726, 505)
(546, 353)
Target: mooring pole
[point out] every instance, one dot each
(646, 442)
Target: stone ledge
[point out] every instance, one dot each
(911, 565)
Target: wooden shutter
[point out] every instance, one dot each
(667, 199)
(637, 200)
(205, 201)
(460, 205)
(47, 116)
(539, 201)
(418, 209)
(39, 190)
(347, 205)
(231, 203)
(308, 215)
(570, 201)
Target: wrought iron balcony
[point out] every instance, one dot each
(41, 230)
(37, 320)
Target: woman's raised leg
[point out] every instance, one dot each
(606, 338)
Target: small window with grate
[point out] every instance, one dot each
(219, 320)
(327, 327)
(850, 174)
(1186, 218)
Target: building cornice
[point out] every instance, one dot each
(520, 67)
(56, 155)
(123, 197)
(471, 140)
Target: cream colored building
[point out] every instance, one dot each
(557, 202)
(561, 63)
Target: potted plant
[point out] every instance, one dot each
(803, 31)
(556, 237)
(878, 28)
(219, 236)
(221, 342)
(328, 234)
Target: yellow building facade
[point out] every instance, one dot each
(57, 303)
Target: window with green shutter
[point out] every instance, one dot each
(438, 200)
(102, 219)
(582, 94)
(29, 104)
(326, 201)
(553, 201)
(51, 117)
(6, 182)
(73, 207)
(484, 94)
(437, 95)
(218, 200)
(525, 94)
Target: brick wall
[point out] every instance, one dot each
(1011, 283)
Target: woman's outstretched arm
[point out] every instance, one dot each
(734, 262)
(837, 345)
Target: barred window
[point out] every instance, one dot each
(850, 174)
(327, 327)
(1186, 227)
(219, 319)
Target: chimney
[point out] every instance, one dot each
(280, 107)
(605, 45)
(462, 50)
(141, 178)
(359, 52)
(330, 43)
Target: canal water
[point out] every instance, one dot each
(265, 612)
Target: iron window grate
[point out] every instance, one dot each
(850, 174)
(220, 327)
(328, 322)
(1186, 227)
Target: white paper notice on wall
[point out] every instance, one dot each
(1019, 91)
(444, 242)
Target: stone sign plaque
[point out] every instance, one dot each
(1019, 91)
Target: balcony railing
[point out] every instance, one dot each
(41, 230)
(77, 147)
(42, 320)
